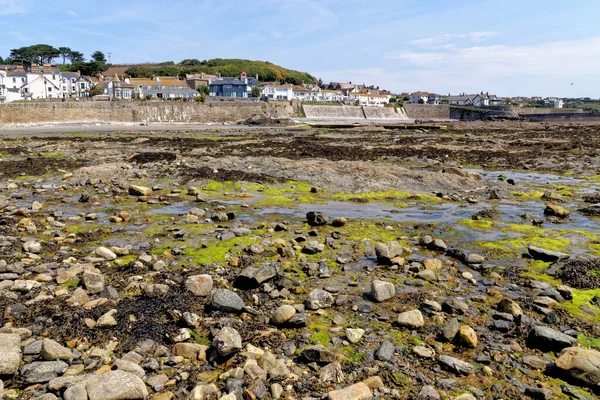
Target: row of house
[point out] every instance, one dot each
(313, 93)
(41, 82)
(476, 100)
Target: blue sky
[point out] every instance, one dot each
(506, 47)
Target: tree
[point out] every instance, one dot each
(203, 90)
(98, 56)
(76, 57)
(421, 101)
(1, 60)
(256, 92)
(64, 52)
(92, 68)
(95, 90)
(444, 101)
(38, 54)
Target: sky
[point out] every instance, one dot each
(504, 47)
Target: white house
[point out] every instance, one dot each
(3, 74)
(468, 100)
(42, 88)
(278, 92)
(306, 94)
(425, 98)
(371, 100)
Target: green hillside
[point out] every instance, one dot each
(266, 71)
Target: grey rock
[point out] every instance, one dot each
(105, 253)
(317, 218)
(116, 385)
(283, 314)
(226, 300)
(318, 299)
(228, 341)
(548, 339)
(10, 353)
(385, 252)
(358, 391)
(94, 283)
(43, 371)
(318, 353)
(412, 319)
(455, 365)
(385, 352)
(76, 392)
(52, 351)
(538, 253)
(581, 364)
(450, 329)
(253, 277)
(382, 291)
(428, 393)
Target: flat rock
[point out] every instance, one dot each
(105, 253)
(358, 391)
(136, 190)
(455, 365)
(538, 253)
(318, 299)
(227, 300)
(548, 339)
(52, 351)
(412, 319)
(43, 371)
(253, 277)
(10, 353)
(116, 385)
(318, 353)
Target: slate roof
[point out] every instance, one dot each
(227, 81)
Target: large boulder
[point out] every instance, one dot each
(116, 385)
(581, 364)
(43, 371)
(382, 291)
(538, 253)
(136, 190)
(387, 251)
(253, 277)
(10, 353)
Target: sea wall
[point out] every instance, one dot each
(165, 112)
(384, 113)
(333, 112)
(427, 111)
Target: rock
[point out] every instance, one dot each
(135, 190)
(200, 285)
(547, 339)
(105, 253)
(94, 283)
(465, 396)
(411, 319)
(580, 364)
(467, 336)
(382, 291)
(456, 365)
(191, 351)
(385, 252)
(226, 300)
(354, 335)
(10, 354)
(509, 306)
(358, 391)
(227, 342)
(332, 373)
(539, 393)
(318, 299)
(131, 367)
(339, 222)
(538, 253)
(385, 352)
(253, 277)
(318, 353)
(204, 392)
(108, 319)
(32, 247)
(279, 372)
(557, 211)
(43, 371)
(455, 306)
(475, 259)
(438, 244)
(451, 329)
(433, 264)
(424, 351)
(316, 218)
(283, 314)
(593, 210)
(428, 393)
(116, 385)
(52, 351)
(427, 275)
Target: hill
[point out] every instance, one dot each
(267, 72)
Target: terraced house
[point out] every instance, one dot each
(161, 87)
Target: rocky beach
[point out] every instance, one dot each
(408, 262)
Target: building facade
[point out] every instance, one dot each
(229, 87)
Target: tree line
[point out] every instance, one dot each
(267, 72)
(44, 53)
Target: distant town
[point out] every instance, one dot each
(43, 81)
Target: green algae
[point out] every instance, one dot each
(275, 201)
(71, 283)
(534, 195)
(323, 338)
(479, 224)
(218, 252)
(385, 196)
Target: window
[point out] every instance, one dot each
(14, 80)
(49, 89)
(82, 85)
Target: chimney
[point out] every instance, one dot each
(202, 75)
(47, 68)
(35, 69)
(20, 68)
(79, 74)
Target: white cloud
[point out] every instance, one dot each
(11, 7)
(448, 39)
(417, 58)
(73, 13)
